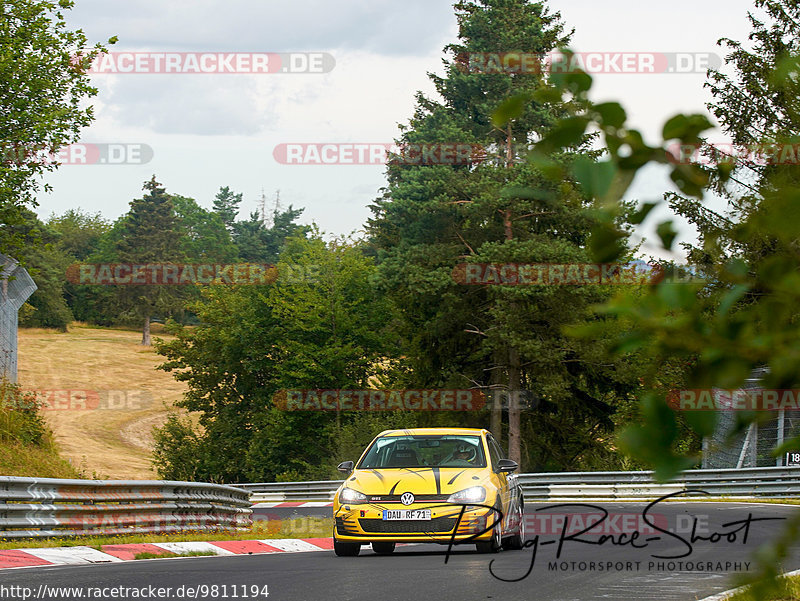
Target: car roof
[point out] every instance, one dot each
(433, 431)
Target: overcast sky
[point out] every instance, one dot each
(212, 130)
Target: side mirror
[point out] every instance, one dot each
(506, 465)
(347, 466)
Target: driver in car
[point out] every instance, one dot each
(465, 452)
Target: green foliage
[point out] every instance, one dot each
(26, 444)
(226, 205)
(46, 263)
(177, 450)
(44, 89)
(258, 243)
(503, 210)
(20, 420)
(150, 233)
(203, 235)
(744, 315)
(319, 326)
(78, 233)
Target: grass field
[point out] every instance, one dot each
(108, 434)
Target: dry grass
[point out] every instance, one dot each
(111, 442)
(302, 527)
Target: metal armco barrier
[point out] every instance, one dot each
(773, 482)
(49, 507)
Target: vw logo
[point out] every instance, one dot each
(407, 498)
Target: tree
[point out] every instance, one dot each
(47, 263)
(43, 98)
(433, 217)
(258, 243)
(150, 234)
(742, 317)
(100, 304)
(79, 236)
(320, 325)
(79, 233)
(204, 236)
(757, 107)
(226, 205)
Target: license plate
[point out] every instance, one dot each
(406, 514)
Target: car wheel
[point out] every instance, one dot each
(494, 544)
(517, 541)
(383, 548)
(345, 549)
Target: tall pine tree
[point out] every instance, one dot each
(150, 234)
(499, 210)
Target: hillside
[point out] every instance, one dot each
(104, 396)
(29, 459)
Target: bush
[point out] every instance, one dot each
(20, 420)
(177, 450)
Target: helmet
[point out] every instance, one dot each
(465, 448)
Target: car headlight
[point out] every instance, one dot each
(474, 494)
(348, 495)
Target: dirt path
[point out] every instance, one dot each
(103, 395)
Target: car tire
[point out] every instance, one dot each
(383, 547)
(343, 549)
(494, 544)
(517, 541)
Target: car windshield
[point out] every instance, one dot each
(424, 451)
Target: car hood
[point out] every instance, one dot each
(431, 482)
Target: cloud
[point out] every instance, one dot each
(205, 105)
(388, 27)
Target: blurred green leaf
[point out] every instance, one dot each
(548, 95)
(577, 82)
(687, 128)
(702, 422)
(610, 114)
(567, 132)
(511, 108)
(641, 214)
(606, 243)
(594, 177)
(666, 231)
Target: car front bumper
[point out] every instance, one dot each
(365, 523)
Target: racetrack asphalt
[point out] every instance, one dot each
(584, 571)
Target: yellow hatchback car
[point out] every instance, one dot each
(432, 485)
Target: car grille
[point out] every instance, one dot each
(443, 525)
(417, 498)
(345, 526)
